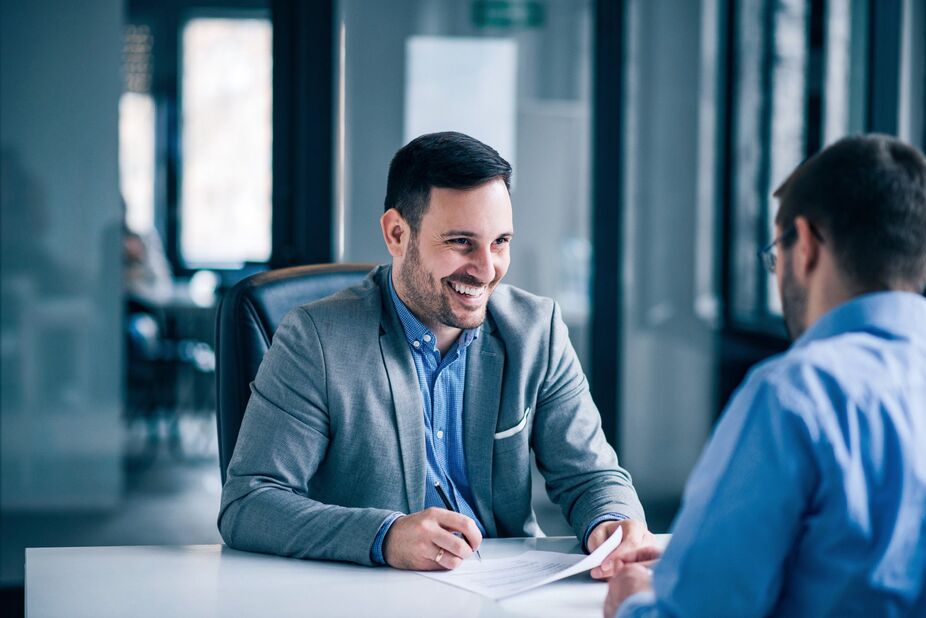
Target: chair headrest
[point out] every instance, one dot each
(247, 318)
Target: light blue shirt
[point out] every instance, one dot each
(441, 380)
(810, 499)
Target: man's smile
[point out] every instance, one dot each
(473, 291)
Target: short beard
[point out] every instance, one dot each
(793, 301)
(418, 284)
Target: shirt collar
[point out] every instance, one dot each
(892, 314)
(416, 332)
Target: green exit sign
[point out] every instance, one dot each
(508, 13)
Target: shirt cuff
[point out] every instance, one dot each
(595, 522)
(376, 552)
(639, 605)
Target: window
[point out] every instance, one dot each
(798, 85)
(225, 203)
(136, 159)
(137, 117)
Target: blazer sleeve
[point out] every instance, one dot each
(580, 468)
(283, 438)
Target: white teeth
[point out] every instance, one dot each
(468, 290)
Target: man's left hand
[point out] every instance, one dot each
(635, 535)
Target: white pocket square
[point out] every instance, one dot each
(519, 427)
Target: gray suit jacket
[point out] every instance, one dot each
(333, 437)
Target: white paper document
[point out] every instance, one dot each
(504, 577)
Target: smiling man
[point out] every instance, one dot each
(430, 377)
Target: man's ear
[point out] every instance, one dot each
(806, 250)
(396, 232)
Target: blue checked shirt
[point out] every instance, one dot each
(441, 381)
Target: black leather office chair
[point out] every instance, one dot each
(248, 316)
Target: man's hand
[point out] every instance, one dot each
(425, 541)
(635, 535)
(629, 579)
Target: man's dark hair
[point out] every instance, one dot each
(448, 160)
(867, 196)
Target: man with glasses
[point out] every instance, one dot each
(810, 499)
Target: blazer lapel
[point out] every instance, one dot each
(485, 363)
(406, 399)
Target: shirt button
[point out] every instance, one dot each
(417, 344)
(427, 338)
(440, 435)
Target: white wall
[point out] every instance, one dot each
(61, 254)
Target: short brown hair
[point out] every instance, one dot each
(867, 194)
(448, 160)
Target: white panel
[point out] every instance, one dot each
(62, 224)
(462, 84)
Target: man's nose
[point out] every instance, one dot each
(482, 265)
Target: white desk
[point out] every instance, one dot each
(212, 580)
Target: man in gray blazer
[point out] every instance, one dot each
(423, 388)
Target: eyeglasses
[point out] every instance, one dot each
(767, 254)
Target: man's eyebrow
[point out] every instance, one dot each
(468, 234)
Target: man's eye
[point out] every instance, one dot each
(502, 241)
(459, 241)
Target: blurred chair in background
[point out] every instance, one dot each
(170, 361)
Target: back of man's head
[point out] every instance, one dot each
(448, 160)
(867, 194)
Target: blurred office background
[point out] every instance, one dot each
(155, 152)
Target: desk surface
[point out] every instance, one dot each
(213, 580)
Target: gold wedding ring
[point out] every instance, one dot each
(440, 555)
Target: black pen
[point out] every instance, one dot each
(446, 501)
